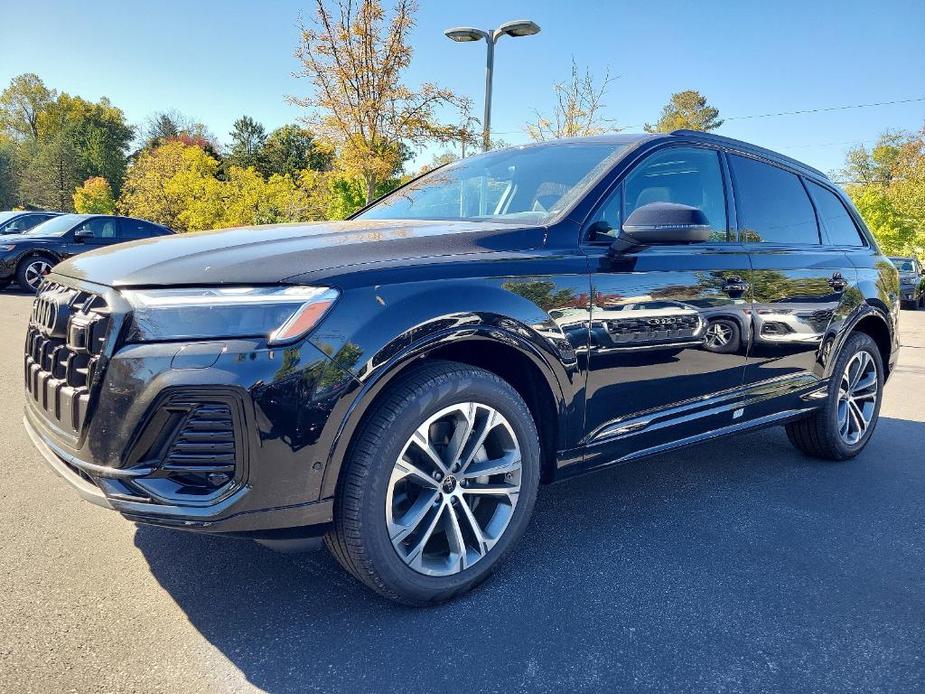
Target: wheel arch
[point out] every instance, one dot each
(874, 322)
(509, 356)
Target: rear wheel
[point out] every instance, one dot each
(844, 425)
(438, 486)
(32, 271)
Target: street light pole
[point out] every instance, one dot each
(489, 69)
(520, 27)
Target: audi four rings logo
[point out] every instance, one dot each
(45, 313)
(662, 321)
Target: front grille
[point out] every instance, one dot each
(64, 347)
(654, 329)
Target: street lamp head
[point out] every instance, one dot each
(519, 27)
(465, 34)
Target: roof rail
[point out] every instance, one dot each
(748, 147)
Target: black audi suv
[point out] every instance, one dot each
(29, 256)
(401, 383)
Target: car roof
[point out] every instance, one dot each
(687, 135)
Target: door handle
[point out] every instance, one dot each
(735, 286)
(838, 282)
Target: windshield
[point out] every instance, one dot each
(903, 264)
(56, 226)
(527, 184)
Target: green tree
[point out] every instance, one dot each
(354, 56)
(290, 149)
(22, 103)
(94, 197)
(98, 133)
(686, 110)
(248, 138)
(9, 194)
(48, 172)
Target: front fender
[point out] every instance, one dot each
(375, 332)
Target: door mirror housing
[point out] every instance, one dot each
(666, 222)
(81, 235)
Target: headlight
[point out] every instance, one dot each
(281, 314)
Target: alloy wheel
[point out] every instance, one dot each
(857, 397)
(453, 490)
(718, 334)
(36, 271)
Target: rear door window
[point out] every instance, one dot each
(772, 205)
(836, 220)
(133, 229)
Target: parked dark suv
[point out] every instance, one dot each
(911, 282)
(29, 256)
(403, 381)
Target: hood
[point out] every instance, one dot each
(290, 252)
(22, 239)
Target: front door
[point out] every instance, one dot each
(669, 324)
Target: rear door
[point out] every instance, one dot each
(798, 276)
(653, 379)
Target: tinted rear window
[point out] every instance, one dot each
(839, 226)
(772, 204)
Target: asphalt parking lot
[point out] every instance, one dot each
(734, 566)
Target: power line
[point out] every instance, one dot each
(821, 109)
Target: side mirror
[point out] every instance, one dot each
(81, 235)
(666, 222)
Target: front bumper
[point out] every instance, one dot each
(138, 446)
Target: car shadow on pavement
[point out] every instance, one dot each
(735, 565)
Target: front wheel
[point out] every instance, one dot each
(32, 271)
(723, 336)
(844, 425)
(438, 485)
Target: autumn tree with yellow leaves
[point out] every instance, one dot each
(354, 56)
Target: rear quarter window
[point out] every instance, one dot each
(836, 220)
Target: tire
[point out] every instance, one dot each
(822, 434)
(723, 336)
(907, 305)
(374, 493)
(5, 283)
(30, 271)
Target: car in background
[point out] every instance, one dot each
(28, 257)
(911, 282)
(20, 221)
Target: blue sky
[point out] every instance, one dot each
(217, 60)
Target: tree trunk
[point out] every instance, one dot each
(370, 189)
